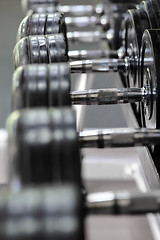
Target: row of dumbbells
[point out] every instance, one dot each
(45, 42)
(46, 198)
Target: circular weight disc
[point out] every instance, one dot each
(42, 24)
(43, 51)
(34, 49)
(156, 9)
(44, 146)
(55, 23)
(150, 78)
(147, 6)
(56, 211)
(59, 82)
(57, 48)
(41, 85)
(117, 13)
(40, 49)
(136, 22)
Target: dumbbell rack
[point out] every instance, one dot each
(144, 172)
(146, 175)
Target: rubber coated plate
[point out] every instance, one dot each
(56, 211)
(59, 82)
(43, 51)
(34, 49)
(132, 41)
(150, 76)
(156, 10)
(44, 146)
(136, 23)
(151, 15)
(57, 49)
(41, 85)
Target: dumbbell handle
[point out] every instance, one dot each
(100, 65)
(89, 54)
(123, 203)
(108, 96)
(90, 36)
(120, 137)
(107, 138)
(81, 10)
(86, 21)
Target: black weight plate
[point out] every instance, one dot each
(150, 76)
(132, 43)
(47, 212)
(156, 10)
(38, 141)
(33, 77)
(40, 49)
(43, 51)
(65, 144)
(31, 138)
(147, 6)
(136, 23)
(35, 24)
(34, 49)
(39, 85)
(59, 82)
(56, 23)
(117, 13)
(42, 24)
(57, 49)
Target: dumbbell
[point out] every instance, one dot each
(40, 85)
(72, 10)
(133, 35)
(51, 49)
(134, 25)
(104, 21)
(44, 24)
(60, 73)
(58, 212)
(51, 6)
(45, 147)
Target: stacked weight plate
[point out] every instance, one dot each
(47, 198)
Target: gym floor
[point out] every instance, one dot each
(99, 227)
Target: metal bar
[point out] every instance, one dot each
(89, 36)
(89, 54)
(82, 10)
(107, 96)
(123, 203)
(100, 65)
(120, 137)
